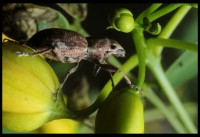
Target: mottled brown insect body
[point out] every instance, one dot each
(67, 46)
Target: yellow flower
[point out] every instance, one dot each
(29, 85)
(60, 126)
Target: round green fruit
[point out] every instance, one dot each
(122, 20)
(122, 112)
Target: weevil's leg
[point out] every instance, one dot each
(22, 53)
(111, 68)
(96, 69)
(72, 70)
(113, 85)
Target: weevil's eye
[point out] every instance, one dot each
(113, 46)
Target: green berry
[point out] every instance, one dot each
(122, 20)
(122, 112)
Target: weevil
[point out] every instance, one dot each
(71, 47)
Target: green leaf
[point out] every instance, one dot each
(183, 69)
(59, 22)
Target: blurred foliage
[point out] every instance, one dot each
(186, 64)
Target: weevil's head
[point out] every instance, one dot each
(100, 49)
(115, 49)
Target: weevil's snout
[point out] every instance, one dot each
(116, 49)
(120, 53)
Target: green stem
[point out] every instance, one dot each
(159, 73)
(163, 11)
(114, 61)
(154, 99)
(59, 109)
(172, 25)
(153, 42)
(140, 45)
(128, 66)
(151, 9)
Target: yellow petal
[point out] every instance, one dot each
(29, 85)
(60, 126)
(24, 122)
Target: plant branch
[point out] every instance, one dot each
(153, 42)
(149, 10)
(140, 45)
(163, 11)
(172, 25)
